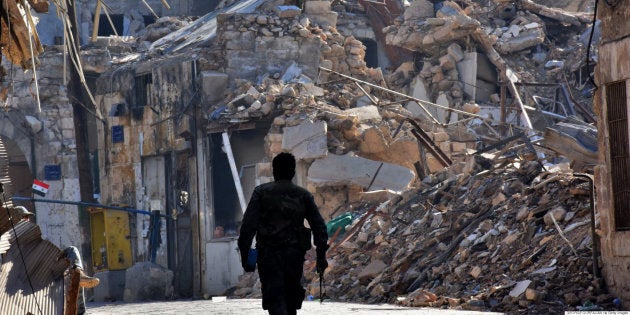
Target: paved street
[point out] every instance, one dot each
(252, 307)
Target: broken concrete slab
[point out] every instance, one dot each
(371, 270)
(311, 89)
(291, 72)
(307, 140)
(520, 288)
(365, 113)
(339, 170)
(467, 69)
(377, 196)
(417, 90)
(525, 39)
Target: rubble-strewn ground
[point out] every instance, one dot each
(481, 241)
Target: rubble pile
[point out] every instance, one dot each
(499, 231)
(535, 42)
(329, 119)
(507, 238)
(506, 235)
(319, 132)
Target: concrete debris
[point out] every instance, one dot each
(506, 38)
(163, 26)
(477, 254)
(148, 281)
(306, 141)
(451, 245)
(342, 170)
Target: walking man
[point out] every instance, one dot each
(275, 215)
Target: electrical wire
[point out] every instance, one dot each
(9, 41)
(588, 48)
(31, 28)
(75, 57)
(17, 242)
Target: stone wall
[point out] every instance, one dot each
(258, 45)
(46, 138)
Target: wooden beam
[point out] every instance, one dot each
(198, 215)
(150, 9)
(97, 20)
(511, 79)
(237, 180)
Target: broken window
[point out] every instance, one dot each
(105, 28)
(617, 115)
(141, 97)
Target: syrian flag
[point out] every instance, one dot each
(40, 187)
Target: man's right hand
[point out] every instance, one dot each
(246, 266)
(322, 264)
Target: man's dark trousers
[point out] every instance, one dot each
(280, 270)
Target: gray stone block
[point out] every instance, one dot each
(339, 170)
(148, 281)
(213, 85)
(306, 141)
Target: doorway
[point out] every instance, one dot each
(15, 173)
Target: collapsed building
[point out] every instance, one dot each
(421, 111)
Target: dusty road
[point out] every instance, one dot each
(252, 307)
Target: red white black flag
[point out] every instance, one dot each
(40, 187)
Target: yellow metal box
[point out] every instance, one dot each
(111, 245)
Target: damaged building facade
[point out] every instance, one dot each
(189, 113)
(611, 175)
(191, 134)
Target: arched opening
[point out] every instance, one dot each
(15, 173)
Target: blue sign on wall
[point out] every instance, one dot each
(118, 134)
(52, 172)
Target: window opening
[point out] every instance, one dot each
(105, 29)
(371, 53)
(141, 97)
(617, 116)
